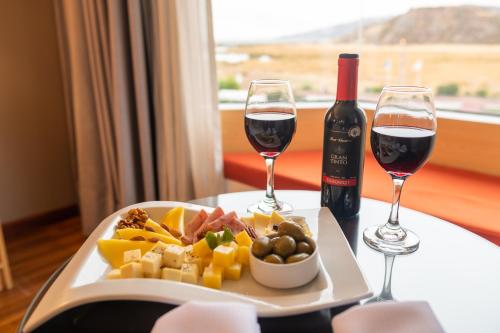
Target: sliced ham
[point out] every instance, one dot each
(202, 223)
(200, 231)
(193, 225)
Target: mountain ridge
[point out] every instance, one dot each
(467, 24)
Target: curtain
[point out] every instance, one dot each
(140, 91)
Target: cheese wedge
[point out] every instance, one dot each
(129, 233)
(112, 249)
(150, 224)
(174, 219)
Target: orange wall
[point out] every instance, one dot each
(35, 168)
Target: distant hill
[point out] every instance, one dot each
(334, 32)
(434, 25)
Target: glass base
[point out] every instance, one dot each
(407, 244)
(379, 298)
(267, 207)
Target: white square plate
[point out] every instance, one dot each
(340, 280)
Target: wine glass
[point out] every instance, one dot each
(402, 138)
(270, 121)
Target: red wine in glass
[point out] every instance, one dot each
(401, 151)
(270, 132)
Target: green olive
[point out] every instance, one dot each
(273, 235)
(296, 258)
(284, 246)
(304, 247)
(261, 247)
(274, 259)
(291, 229)
(311, 243)
(273, 241)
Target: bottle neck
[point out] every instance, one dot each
(347, 82)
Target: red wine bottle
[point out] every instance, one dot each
(344, 144)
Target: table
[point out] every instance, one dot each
(456, 271)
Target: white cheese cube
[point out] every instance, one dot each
(173, 256)
(131, 270)
(131, 256)
(171, 274)
(151, 263)
(114, 274)
(159, 247)
(190, 273)
(194, 260)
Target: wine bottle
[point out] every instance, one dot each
(344, 144)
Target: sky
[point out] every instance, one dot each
(246, 20)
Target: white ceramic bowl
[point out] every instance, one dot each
(285, 276)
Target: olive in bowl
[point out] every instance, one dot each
(287, 268)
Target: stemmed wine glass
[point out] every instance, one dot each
(270, 121)
(402, 138)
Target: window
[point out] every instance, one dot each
(452, 46)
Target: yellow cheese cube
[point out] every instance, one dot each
(131, 270)
(217, 269)
(233, 244)
(114, 274)
(233, 272)
(171, 274)
(242, 238)
(151, 263)
(173, 256)
(224, 256)
(243, 256)
(189, 273)
(131, 256)
(212, 278)
(201, 248)
(206, 261)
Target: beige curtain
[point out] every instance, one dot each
(141, 100)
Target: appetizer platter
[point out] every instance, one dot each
(173, 252)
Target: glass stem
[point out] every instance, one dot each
(386, 289)
(393, 222)
(270, 180)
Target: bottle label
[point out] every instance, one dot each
(341, 159)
